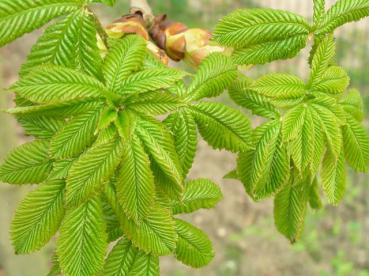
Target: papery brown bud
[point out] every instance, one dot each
(128, 24)
(168, 36)
(175, 46)
(198, 46)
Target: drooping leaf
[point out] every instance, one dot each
(290, 209)
(113, 228)
(334, 177)
(319, 144)
(266, 169)
(82, 242)
(222, 127)
(155, 234)
(160, 145)
(193, 246)
(125, 58)
(330, 126)
(88, 174)
(126, 260)
(356, 145)
(262, 35)
(135, 183)
(76, 136)
(292, 122)
(27, 164)
(352, 103)
(70, 43)
(302, 146)
(215, 73)
(18, 17)
(198, 194)
(184, 130)
(38, 217)
(314, 195)
(51, 84)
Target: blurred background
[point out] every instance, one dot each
(336, 239)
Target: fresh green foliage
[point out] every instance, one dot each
(313, 129)
(115, 133)
(262, 35)
(108, 167)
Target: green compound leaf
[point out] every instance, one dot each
(314, 195)
(262, 35)
(266, 169)
(319, 11)
(76, 136)
(154, 103)
(38, 217)
(59, 109)
(135, 183)
(193, 246)
(302, 146)
(342, 12)
(214, 75)
(126, 260)
(71, 43)
(322, 58)
(292, 122)
(198, 194)
(155, 234)
(125, 58)
(111, 219)
(52, 84)
(160, 145)
(150, 80)
(290, 209)
(241, 93)
(356, 145)
(184, 130)
(89, 173)
(42, 127)
(18, 17)
(82, 242)
(27, 164)
(334, 177)
(353, 104)
(330, 126)
(222, 127)
(334, 81)
(281, 89)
